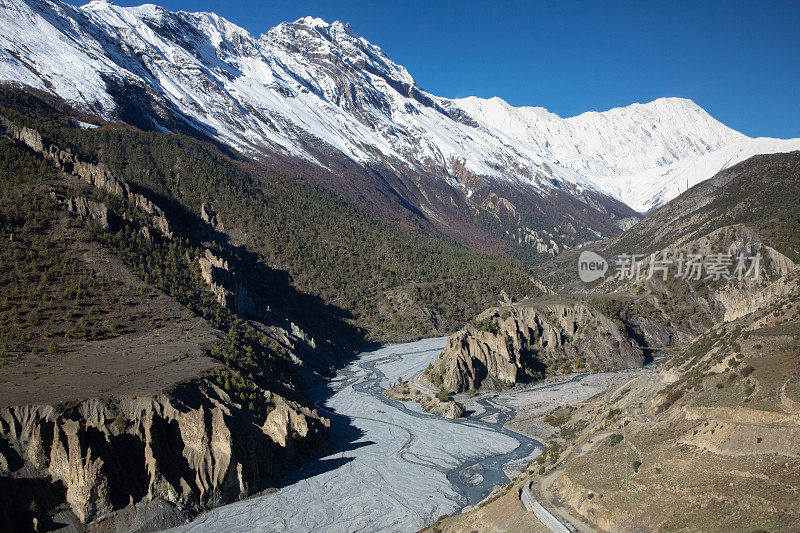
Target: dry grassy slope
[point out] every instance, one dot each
(721, 449)
(500, 512)
(144, 342)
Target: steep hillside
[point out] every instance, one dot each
(132, 395)
(754, 202)
(760, 192)
(395, 281)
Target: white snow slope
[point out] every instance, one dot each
(656, 186)
(308, 86)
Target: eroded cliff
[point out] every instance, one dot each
(193, 447)
(523, 342)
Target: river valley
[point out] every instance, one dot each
(397, 468)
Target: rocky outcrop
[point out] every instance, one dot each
(95, 174)
(444, 408)
(737, 302)
(213, 268)
(523, 342)
(627, 223)
(730, 299)
(210, 217)
(87, 209)
(194, 447)
(230, 290)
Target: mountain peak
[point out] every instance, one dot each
(319, 25)
(313, 22)
(98, 4)
(317, 22)
(674, 102)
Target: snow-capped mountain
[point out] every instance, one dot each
(604, 146)
(300, 82)
(318, 93)
(644, 154)
(654, 187)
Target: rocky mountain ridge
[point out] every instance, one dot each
(310, 63)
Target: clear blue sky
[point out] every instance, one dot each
(738, 60)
